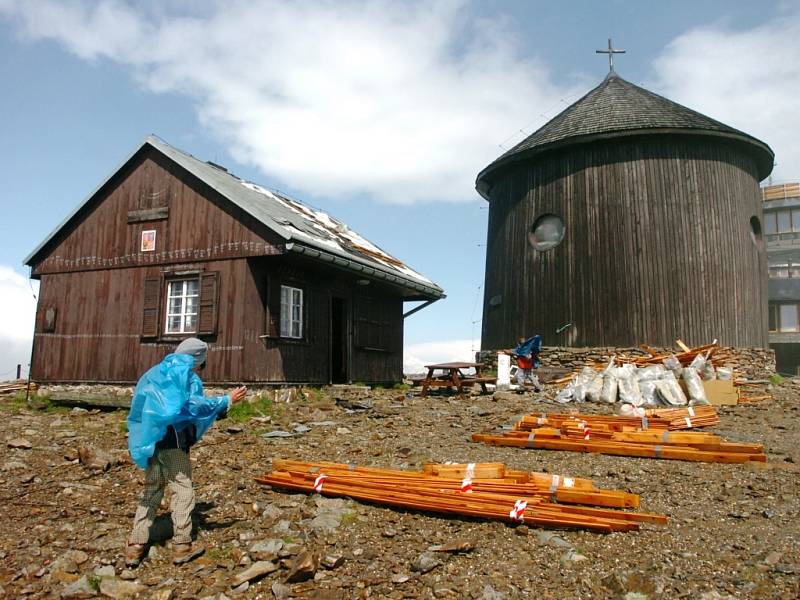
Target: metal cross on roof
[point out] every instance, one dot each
(611, 52)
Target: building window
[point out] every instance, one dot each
(778, 270)
(783, 318)
(291, 312)
(182, 305)
(784, 221)
(770, 223)
(784, 269)
(782, 224)
(546, 233)
(191, 306)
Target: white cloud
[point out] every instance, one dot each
(17, 313)
(399, 101)
(416, 356)
(748, 79)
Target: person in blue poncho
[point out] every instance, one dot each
(169, 413)
(527, 354)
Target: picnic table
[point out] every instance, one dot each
(452, 375)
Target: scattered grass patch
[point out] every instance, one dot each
(260, 406)
(776, 379)
(94, 582)
(219, 553)
(309, 394)
(349, 519)
(35, 402)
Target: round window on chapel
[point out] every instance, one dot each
(546, 233)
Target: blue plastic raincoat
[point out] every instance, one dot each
(530, 347)
(170, 393)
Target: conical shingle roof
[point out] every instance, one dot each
(617, 108)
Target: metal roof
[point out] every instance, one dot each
(617, 108)
(307, 231)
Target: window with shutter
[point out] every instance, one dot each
(151, 305)
(182, 306)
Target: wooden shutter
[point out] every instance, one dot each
(209, 302)
(273, 308)
(152, 304)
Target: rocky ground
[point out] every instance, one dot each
(68, 492)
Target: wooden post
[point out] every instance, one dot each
(19, 371)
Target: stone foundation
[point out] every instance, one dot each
(752, 363)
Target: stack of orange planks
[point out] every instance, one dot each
(626, 436)
(657, 418)
(485, 490)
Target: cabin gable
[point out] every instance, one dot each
(153, 212)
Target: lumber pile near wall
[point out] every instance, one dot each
(653, 436)
(12, 387)
(483, 490)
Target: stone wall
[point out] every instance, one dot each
(752, 363)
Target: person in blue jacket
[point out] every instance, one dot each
(169, 413)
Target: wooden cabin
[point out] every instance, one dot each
(170, 246)
(626, 219)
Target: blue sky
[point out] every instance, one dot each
(379, 113)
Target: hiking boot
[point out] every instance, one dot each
(134, 553)
(183, 553)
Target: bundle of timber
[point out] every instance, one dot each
(658, 418)
(10, 387)
(648, 437)
(486, 490)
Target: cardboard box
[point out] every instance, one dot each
(718, 392)
(721, 393)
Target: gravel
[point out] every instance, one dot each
(69, 493)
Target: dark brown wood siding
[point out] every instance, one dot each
(98, 333)
(199, 225)
(658, 245)
(102, 301)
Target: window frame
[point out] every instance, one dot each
(770, 223)
(183, 313)
(294, 310)
(775, 317)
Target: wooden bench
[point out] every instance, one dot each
(453, 377)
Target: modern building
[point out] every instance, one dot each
(782, 234)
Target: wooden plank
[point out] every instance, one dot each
(148, 214)
(90, 400)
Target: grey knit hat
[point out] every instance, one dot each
(194, 347)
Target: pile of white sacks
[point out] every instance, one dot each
(636, 388)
